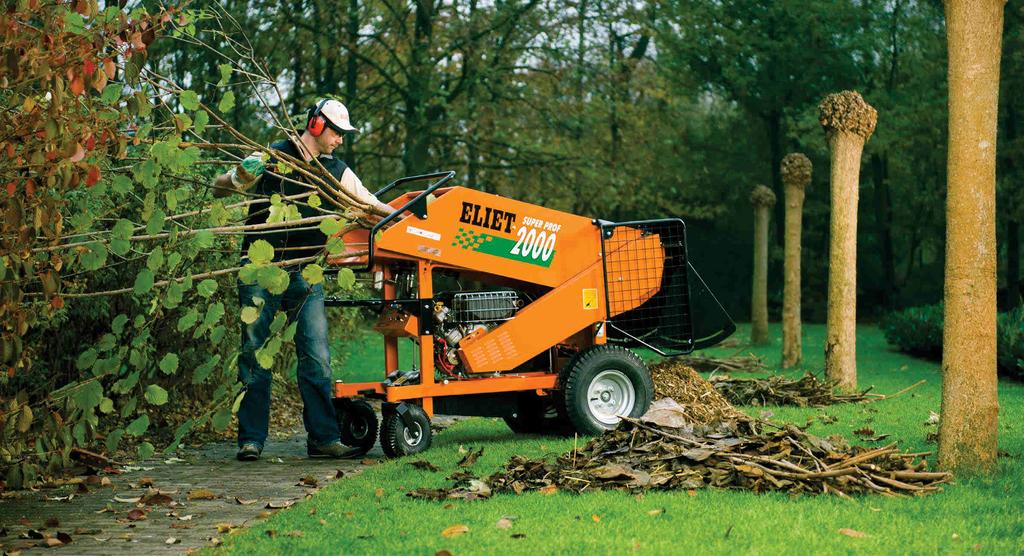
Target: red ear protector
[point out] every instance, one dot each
(316, 123)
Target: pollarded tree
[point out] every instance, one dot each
(796, 176)
(763, 200)
(970, 405)
(848, 122)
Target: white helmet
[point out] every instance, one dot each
(329, 113)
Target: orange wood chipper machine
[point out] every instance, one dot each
(519, 311)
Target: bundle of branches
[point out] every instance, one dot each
(806, 391)
(701, 403)
(662, 452)
(749, 363)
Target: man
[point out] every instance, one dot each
(326, 123)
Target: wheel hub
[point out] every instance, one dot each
(610, 396)
(413, 435)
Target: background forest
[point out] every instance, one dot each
(615, 109)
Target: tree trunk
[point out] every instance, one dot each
(970, 406)
(762, 198)
(849, 121)
(796, 174)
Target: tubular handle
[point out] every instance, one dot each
(417, 205)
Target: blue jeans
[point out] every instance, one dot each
(303, 304)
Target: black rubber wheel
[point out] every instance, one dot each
(357, 423)
(397, 439)
(536, 415)
(602, 383)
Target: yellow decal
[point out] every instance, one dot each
(589, 299)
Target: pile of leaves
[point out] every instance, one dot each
(663, 451)
(807, 391)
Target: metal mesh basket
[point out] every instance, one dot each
(648, 265)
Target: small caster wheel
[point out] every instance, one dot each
(357, 423)
(405, 430)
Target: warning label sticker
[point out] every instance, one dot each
(589, 299)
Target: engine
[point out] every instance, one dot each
(463, 313)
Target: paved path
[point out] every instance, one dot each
(181, 523)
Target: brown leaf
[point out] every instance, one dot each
(378, 492)
(424, 464)
(172, 540)
(244, 501)
(127, 499)
(504, 523)
(277, 505)
(442, 553)
(596, 518)
(656, 512)
(52, 522)
(225, 527)
(295, 533)
(865, 431)
(136, 515)
(470, 458)
(201, 494)
(852, 533)
(64, 537)
(157, 498)
(454, 531)
(51, 542)
(308, 481)
(548, 490)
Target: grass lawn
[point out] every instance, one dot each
(370, 514)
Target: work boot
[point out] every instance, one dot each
(249, 451)
(334, 449)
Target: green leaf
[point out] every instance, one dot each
(156, 222)
(330, 226)
(138, 426)
(96, 256)
(207, 287)
(213, 314)
(120, 247)
(346, 278)
(73, 23)
(171, 200)
(121, 183)
(119, 321)
(313, 273)
(189, 100)
(106, 405)
(217, 334)
(169, 363)
(88, 396)
(155, 259)
(86, 359)
(156, 395)
(146, 450)
(237, 403)
(225, 74)
(335, 246)
(175, 291)
(203, 371)
(111, 93)
(203, 239)
(250, 314)
(199, 124)
(114, 439)
(261, 252)
(227, 102)
(274, 279)
(180, 433)
(221, 419)
(314, 201)
(280, 319)
(188, 320)
(247, 274)
(144, 281)
(289, 333)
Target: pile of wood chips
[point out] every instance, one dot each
(807, 391)
(701, 403)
